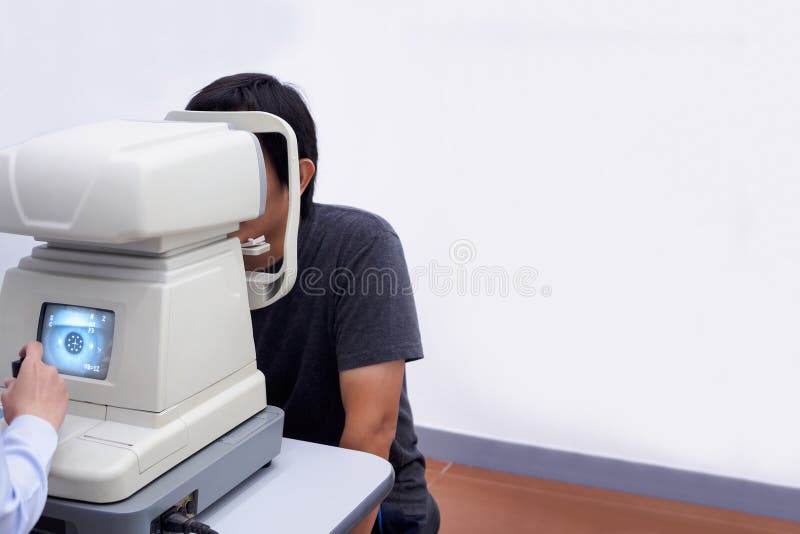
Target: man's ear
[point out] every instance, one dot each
(307, 170)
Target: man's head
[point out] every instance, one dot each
(262, 92)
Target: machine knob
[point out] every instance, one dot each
(15, 366)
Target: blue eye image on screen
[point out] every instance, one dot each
(77, 340)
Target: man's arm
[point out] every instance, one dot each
(371, 399)
(26, 448)
(34, 405)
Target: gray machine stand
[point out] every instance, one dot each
(195, 483)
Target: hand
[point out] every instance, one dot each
(38, 389)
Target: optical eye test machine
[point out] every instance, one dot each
(142, 303)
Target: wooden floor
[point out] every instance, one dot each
(475, 500)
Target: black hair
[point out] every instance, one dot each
(262, 92)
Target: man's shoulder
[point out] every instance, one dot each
(351, 235)
(350, 222)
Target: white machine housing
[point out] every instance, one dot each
(136, 216)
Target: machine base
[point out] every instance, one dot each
(204, 477)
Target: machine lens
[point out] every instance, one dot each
(74, 343)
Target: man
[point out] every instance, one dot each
(34, 405)
(334, 349)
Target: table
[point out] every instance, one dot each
(308, 488)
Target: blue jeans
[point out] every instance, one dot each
(392, 519)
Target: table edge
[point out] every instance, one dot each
(372, 500)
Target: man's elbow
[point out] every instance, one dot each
(386, 428)
(382, 429)
(374, 435)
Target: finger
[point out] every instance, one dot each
(33, 350)
(32, 361)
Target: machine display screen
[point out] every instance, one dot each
(77, 340)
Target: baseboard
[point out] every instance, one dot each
(686, 486)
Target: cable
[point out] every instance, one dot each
(175, 521)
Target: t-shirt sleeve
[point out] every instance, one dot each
(375, 319)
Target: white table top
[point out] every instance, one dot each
(308, 488)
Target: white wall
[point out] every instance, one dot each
(642, 155)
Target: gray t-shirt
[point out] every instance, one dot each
(350, 307)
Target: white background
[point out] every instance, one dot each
(643, 156)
